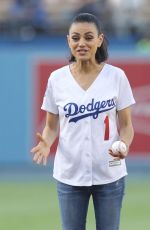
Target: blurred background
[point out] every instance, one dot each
(32, 45)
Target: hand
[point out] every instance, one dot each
(118, 155)
(119, 150)
(41, 151)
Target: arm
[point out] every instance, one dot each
(50, 132)
(126, 130)
(51, 129)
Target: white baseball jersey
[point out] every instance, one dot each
(88, 125)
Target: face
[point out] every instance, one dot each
(83, 40)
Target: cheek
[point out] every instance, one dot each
(94, 48)
(72, 49)
(93, 45)
(72, 46)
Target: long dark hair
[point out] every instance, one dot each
(101, 53)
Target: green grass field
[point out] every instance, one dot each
(34, 206)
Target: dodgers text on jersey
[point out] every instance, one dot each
(91, 109)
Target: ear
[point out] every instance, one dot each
(100, 39)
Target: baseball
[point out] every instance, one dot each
(119, 146)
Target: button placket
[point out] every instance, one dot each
(87, 124)
(88, 156)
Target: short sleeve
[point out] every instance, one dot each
(49, 104)
(125, 95)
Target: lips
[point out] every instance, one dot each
(82, 51)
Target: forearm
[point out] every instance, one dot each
(127, 134)
(49, 135)
(125, 126)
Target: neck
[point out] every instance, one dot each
(87, 66)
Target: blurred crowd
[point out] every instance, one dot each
(29, 18)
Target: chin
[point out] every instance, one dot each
(83, 59)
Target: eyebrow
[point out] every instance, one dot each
(85, 33)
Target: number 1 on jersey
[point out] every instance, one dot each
(106, 134)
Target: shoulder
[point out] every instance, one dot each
(115, 74)
(58, 74)
(114, 70)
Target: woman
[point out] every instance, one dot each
(84, 101)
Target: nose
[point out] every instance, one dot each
(81, 42)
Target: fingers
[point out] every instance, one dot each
(40, 152)
(118, 155)
(44, 160)
(35, 149)
(40, 158)
(36, 156)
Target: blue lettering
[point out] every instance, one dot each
(97, 105)
(71, 108)
(110, 102)
(82, 109)
(95, 115)
(90, 106)
(92, 109)
(103, 104)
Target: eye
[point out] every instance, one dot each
(88, 38)
(75, 38)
